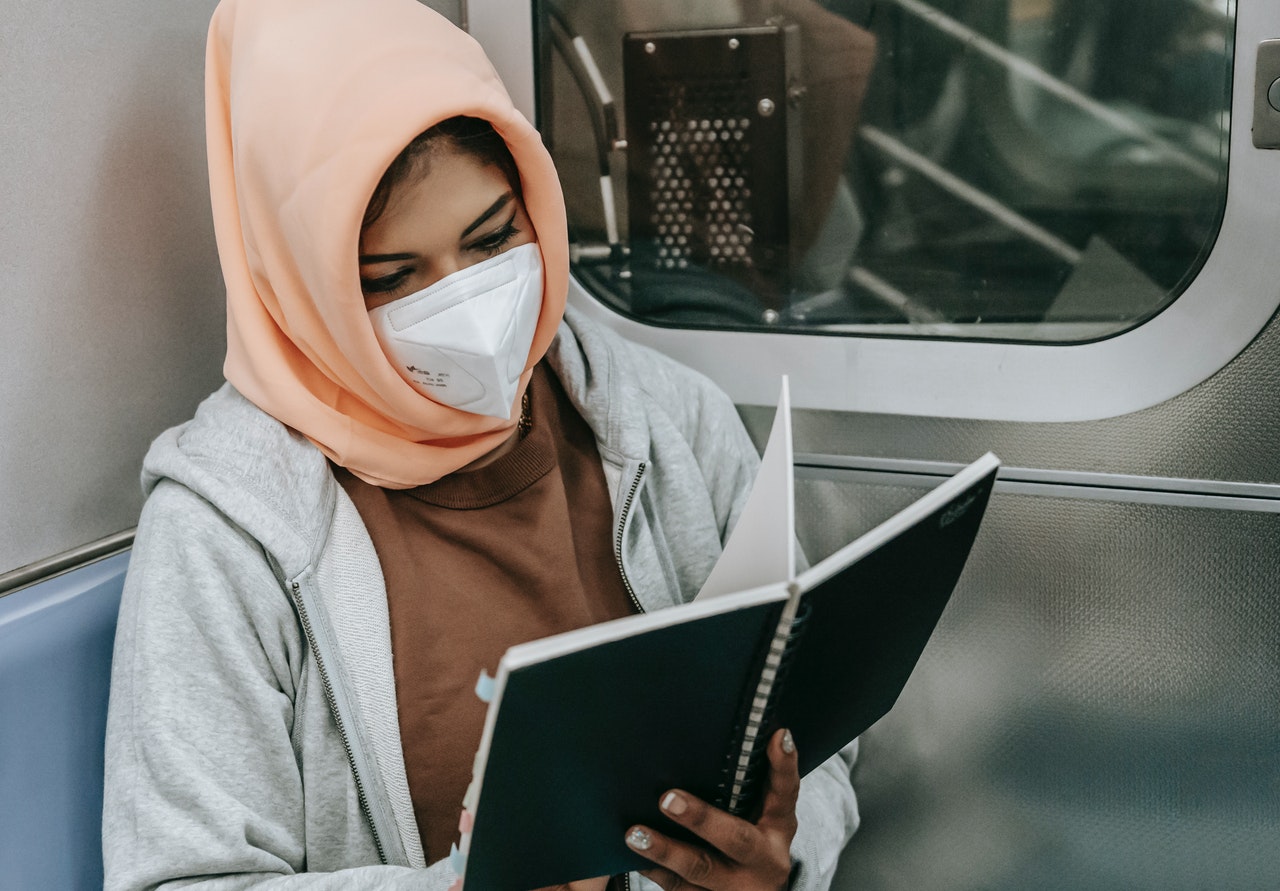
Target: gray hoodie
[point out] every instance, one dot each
(252, 737)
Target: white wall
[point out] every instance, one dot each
(111, 304)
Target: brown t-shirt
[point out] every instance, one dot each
(476, 562)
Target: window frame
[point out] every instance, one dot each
(1222, 310)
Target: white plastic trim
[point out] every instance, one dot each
(1229, 302)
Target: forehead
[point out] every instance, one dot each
(439, 197)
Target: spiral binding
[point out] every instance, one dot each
(745, 761)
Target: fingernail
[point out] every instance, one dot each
(788, 744)
(674, 804)
(639, 839)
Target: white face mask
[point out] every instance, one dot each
(464, 341)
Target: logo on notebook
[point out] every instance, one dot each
(956, 511)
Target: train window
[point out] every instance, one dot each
(1019, 170)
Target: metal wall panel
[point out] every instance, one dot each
(1227, 428)
(111, 303)
(1099, 707)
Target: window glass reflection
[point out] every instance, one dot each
(1013, 169)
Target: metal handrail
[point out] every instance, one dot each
(1021, 67)
(58, 564)
(971, 195)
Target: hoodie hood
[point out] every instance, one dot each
(307, 102)
(275, 485)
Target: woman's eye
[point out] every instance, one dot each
(385, 283)
(496, 241)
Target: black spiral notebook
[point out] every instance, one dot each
(587, 729)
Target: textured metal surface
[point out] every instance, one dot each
(1227, 428)
(1099, 708)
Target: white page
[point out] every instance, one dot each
(761, 549)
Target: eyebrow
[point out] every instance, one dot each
(489, 212)
(366, 259)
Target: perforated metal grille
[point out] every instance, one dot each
(709, 174)
(698, 172)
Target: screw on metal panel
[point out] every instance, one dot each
(650, 47)
(765, 107)
(733, 43)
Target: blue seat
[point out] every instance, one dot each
(55, 666)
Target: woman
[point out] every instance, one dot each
(419, 452)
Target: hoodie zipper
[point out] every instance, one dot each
(617, 541)
(626, 582)
(337, 718)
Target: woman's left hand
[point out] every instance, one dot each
(738, 856)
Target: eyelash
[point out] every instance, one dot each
(491, 245)
(386, 284)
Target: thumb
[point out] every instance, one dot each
(779, 809)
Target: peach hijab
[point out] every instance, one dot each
(307, 102)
